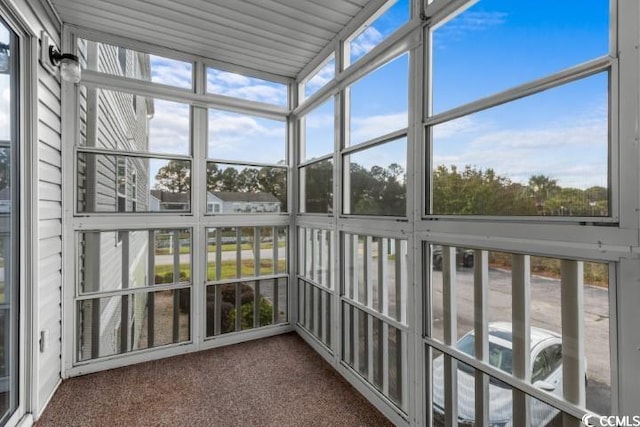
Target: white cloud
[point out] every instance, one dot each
(319, 121)
(321, 78)
(469, 21)
(171, 72)
(366, 41)
(455, 127)
(169, 128)
(365, 128)
(249, 88)
(241, 137)
(230, 79)
(574, 153)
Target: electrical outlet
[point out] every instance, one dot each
(44, 340)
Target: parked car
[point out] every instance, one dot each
(546, 373)
(464, 257)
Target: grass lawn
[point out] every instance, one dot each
(227, 269)
(225, 248)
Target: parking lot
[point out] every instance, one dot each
(545, 313)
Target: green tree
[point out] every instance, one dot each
(175, 177)
(318, 187)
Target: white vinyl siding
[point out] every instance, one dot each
(50, 232)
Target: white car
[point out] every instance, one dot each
(546, 373)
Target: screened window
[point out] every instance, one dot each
(375, 180)
(374, 312)
(247, 278)
(393, 15)
(106, 184)
(539, 292)
(316, 187)
(241, 137)
(123, 62)
(316, 288)
(376, 107)
(546, 154)
(118, 309)
(247, 189)
(318, 131)
(498, 44)
(244, 87)
(318, 79)
(111, 122)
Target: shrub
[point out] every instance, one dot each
(265, 314)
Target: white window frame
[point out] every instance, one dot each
(197, 219)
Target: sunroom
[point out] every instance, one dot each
(437, 199)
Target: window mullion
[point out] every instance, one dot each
(521, 341)
(480, 315)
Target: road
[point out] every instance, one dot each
(226, 256)
(545, 313)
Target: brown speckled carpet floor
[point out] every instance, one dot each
(278, 381)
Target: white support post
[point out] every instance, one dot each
(383, 269)
(355, 263)
(481, 333)
(520, 303)
(573, 366)
(347, 327)
(370, 349)
(385, 358)
(450, 335)
(367, 298)
(316, 310)
(355, 338)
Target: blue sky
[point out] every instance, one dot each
(491, 46)
(498, 44)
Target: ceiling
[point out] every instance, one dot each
(276, 36)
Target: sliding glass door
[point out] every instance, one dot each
(9, 224)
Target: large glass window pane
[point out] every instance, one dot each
(314, 255)
(112, 183)
(245, 87)
(314, 311)
(124, 121)
(395, 14)
(236, 252)
(235, 307)
(497, 44)
(234, 136)
(375, 273)
(319, 131)
(376, 182)
(546, 154)
(10, 354)
(461, 291)
(233, 189)
(325, 73)
(377, 351)
(596, 333)
(377, 107)
(316, 187)
(120, 61)
(120, 259)
(120, 324)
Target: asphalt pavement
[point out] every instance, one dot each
(545, 313)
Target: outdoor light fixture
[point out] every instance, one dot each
(4, 58)
(69, 64)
